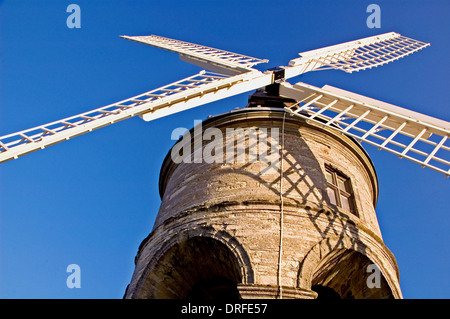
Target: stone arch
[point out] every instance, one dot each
(195, 259)
(340, 263)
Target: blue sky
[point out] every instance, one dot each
(91, 200)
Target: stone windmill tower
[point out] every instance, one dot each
(275, 200)
(303, 228)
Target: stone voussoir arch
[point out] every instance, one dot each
(332, 244)
(238, 250)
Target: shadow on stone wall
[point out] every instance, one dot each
(337, 262)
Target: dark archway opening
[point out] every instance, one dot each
(216, 288)
(199, 268)
(347, 273)
(325, 293)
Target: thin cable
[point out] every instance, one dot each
(280, 249)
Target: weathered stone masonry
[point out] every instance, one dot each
(217, 233)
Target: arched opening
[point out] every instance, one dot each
(216, 287)
(325, 293)
(348, 274)
(197, 268)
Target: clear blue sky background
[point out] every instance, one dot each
(91, 200)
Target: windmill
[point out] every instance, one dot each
(407, 134)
